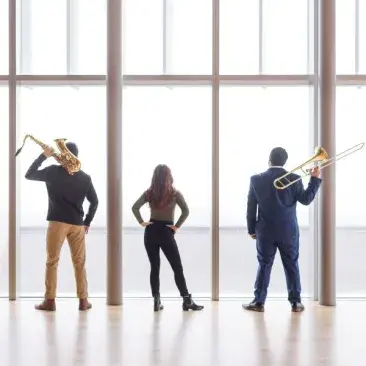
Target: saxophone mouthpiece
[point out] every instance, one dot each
(18, 151)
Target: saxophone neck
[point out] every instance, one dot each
(39, 142)
(34, 139)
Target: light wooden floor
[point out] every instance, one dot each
(223, 334)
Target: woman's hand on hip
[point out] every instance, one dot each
(144, 224)
(173, 227)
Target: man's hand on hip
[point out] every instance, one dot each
(86, 229)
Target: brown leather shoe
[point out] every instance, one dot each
(47, 305)
(84, 305)
(297, 307)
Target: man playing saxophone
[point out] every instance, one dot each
(66, 194)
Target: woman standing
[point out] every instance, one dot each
(160, 230)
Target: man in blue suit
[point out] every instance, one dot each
(276, 226)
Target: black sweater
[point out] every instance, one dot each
(66, 193)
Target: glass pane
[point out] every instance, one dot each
(351, 195)
(345, 36)
(4, 189)
(143, 37)
(281, 117)
(189, 41)
(362, 50)
(91, 37)
(239, 37)
(4, 37)
(285, 37)
(166, 131)
(188, 45)
(78, 114)
(43, 37)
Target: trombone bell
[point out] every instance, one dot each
(320, 154)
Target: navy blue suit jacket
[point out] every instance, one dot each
(276, 219)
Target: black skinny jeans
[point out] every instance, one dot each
(158, 235)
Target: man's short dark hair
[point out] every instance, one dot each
(278, 156)
(73, 148)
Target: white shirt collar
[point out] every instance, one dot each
(275, 166)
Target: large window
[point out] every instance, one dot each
(253, 120)
(4, 37)
(256, 39)
(4, 191)
(175, 36)
(239, 37)
(284, 51)
(351, 194)
(78, 114)
(168, 126)
(62, 37)
(350, 36)
(346, 36)
(362, 36)
(60, 42)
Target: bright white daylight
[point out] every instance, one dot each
(173, 124)
(208, 87)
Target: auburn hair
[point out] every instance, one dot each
(161, 190)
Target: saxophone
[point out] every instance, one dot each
(65, 158)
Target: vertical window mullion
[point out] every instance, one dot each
(313, 23)
(25, 44)
(72, 36)
(167, 36)
(357, 37)
(260, 40)
(311, 39)
(215, 210)
(13, 188)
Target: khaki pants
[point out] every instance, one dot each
(56, 234)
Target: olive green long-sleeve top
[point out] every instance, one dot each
(163, 214)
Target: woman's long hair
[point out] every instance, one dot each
(161, 190)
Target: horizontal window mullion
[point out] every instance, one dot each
(184, 79)
(39, 80)
(352, 80)
(266, 79)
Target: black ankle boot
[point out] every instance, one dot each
(189, 304)
(157, 303)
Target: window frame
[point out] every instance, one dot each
(15, 77)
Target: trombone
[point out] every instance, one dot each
(320, 160)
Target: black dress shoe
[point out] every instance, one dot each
(189, 304)
(254, 306)
(297, 307)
